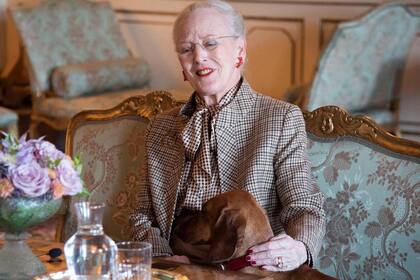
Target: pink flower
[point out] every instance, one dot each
(58, 189)
(6, 188)
(68, 176)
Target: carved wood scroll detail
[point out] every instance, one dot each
(332, 121)
(150, 105)
(335, 122)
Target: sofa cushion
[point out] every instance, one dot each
(57, 33)
(100, 76)
(66, 108)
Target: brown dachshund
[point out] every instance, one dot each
(224, 230)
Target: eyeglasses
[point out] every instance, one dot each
(209, 44)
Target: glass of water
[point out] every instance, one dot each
(134, 260)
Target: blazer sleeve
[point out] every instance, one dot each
(143, 220)
(302, 213)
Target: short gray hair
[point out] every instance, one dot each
(235, 19)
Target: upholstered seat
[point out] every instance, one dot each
(75, 49)
(361, 67)
(111, 146)
(371, 181)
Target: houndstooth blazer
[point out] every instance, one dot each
(261, 148)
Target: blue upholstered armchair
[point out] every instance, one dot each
(361, 67)
(371, 181)
(75, 53)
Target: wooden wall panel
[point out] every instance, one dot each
(326, 31)
(273, 70)
(150, 37)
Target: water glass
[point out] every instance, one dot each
(134, 260)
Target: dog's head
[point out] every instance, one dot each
(227, 226)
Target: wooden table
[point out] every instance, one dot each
(193, 272)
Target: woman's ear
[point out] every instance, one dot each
(242, 49)
(228, 235)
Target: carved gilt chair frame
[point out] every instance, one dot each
(334, 122)
(142, 106)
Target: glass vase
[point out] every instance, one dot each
(17, 214)
(90, 253)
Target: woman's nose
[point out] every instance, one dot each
(200, 53)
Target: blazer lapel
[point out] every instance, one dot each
(228, 137)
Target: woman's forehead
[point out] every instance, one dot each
(203, 23)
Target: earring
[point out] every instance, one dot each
(183, 74)
(240, 62)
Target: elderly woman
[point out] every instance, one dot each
(227, 136)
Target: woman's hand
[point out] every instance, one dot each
(280, 253)
(179, 259)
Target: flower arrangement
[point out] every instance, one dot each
(37, 169)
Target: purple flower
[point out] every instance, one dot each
(31, 179)
(26, 153)
(68, 176)
(38, 150)
(48, 150)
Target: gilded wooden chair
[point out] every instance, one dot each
(361, 67)
(75, 53)
(111, 146)
(371, 181)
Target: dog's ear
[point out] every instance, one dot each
(228, 235)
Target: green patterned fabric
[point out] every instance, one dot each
(98, 77)
(112, 153)
(372, 206)
(361, 67)
(62, 32)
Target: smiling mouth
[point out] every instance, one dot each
(204, 72)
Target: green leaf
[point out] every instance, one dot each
(85, 193)
(78, 164)
(12, 142)
(53, 163)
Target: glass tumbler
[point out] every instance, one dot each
(134, 260)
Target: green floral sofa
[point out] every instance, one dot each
(371, 181)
